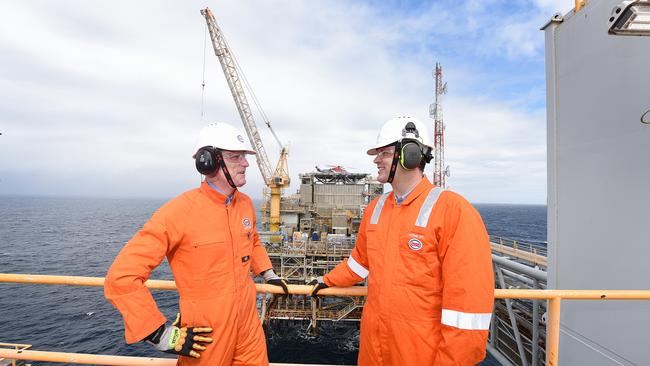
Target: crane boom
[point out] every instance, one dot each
(227, 62)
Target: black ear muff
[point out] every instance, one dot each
(206, 161)
(410, 156)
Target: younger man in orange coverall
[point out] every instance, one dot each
(208, 236)
(427, 258)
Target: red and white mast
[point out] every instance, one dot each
(435, 112)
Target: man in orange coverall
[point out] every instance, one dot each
(427, 258)
(208, 236)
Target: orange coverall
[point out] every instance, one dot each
(210, 248)
(430, 280)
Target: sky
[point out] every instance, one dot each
(105, 99)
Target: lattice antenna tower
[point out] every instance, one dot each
(440, 172)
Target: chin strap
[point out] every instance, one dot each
(393, 165)
(222, 164)
(427, 157)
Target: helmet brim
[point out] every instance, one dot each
(373, 151)
(247, 152)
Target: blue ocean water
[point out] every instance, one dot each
(81, 236)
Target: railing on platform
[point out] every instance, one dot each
(312, 248)
(554, 298)
(528, 247)
(17, 347)
(534, 254)
(90, 359)
(516, 331)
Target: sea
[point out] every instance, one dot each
(82, 236)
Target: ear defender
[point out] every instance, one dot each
(410, 155)
(206, 161)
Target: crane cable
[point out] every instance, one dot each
(205, 37)
(248, 87)
(203, 84)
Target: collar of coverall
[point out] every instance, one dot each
(216, 196)
(422, 187)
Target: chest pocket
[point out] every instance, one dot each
(417, 262)
(209, 257)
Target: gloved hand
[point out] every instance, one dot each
(181, 341)
(319, 284)
(273, 279)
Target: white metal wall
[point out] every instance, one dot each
(598, 86)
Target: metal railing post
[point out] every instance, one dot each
(535, 338)
(513, 321)
(264, 308)
(314, 314)
(553, 331)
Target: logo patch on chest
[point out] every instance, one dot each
(415, 244)
(246, 222)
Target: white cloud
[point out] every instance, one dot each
(493, 145)
(105, 99)
(553, 6)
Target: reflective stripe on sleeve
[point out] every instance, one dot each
(427, 206)
(360, 270)
(470, 321)
(374, 219)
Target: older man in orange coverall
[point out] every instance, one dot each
(427, 258)
(208, 236)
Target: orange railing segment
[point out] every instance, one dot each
(84, 358)
(554, 296)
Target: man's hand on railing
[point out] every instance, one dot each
(273, 279)
(182, 341)
(318, 284)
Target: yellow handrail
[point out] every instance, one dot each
(16, 347)
(554, 296)
(85, 358)
(168, 285)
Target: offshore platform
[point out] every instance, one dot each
(319, 229)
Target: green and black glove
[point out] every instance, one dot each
(318, 284)
(273, 279)
(181, 341)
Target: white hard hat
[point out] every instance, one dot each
(394, 130)
(222, 136)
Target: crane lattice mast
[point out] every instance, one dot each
(435, 112)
